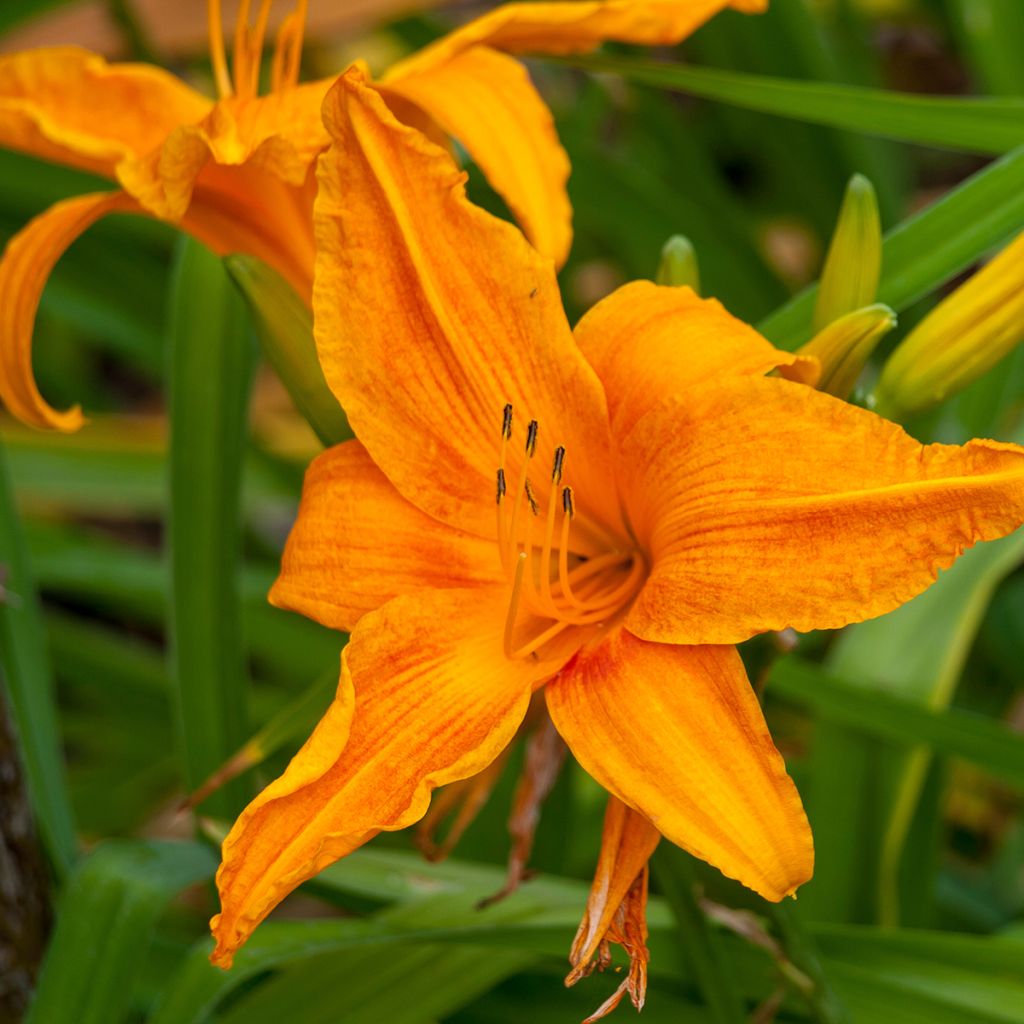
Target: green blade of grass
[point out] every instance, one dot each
(990, 126)
(107, 915)
(926, 250)
(211, 355)
(28, 682)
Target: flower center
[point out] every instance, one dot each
(565, 570)
(248, 49)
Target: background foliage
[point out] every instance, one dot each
(139, 654)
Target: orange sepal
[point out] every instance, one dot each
(357, 543)
(70, 106)
(574, 27)
(487, 101)
(764, 504)
(425, 699)
(648, 342)
(677, 734)
(25, 267)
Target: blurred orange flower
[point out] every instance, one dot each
(236, 173)
(659, 499)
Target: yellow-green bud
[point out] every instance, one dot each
(678, 264)
(845, 345)
(284, 326)
(849, 279)
(960, 339)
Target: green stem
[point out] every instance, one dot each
(700, 940)
(802, 952)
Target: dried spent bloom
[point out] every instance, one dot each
(237, 172)
(602, 514)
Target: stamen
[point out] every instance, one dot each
(568, 505)
(513, 605)
(506, 422)
(218, 58)
(256, 47)
(531, 438)
(501, 485)
(556, 469)
(241, 57)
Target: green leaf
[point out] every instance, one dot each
(926, 250)
(415, 984)
(972, 124)
(107, 916)
(211, 363)
(28, 682)
(875, 711)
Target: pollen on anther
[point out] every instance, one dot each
(568, 505)
(531, 438)
(556, 469)
(532, 499)
(501, 485)
(506, 422)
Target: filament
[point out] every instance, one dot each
(218, 57)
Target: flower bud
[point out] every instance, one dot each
(845, 345)
(678, 264)
(284, 326)
(963, 337)
(849, 279)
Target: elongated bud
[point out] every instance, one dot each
(963, 337)
(845, 345)
(849, 279)
(678, 264)
(284, 326)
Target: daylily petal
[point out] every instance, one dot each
(677, 734)
(244, 209)
(24, 269)
(648, 342)
(280, 134)
(68, 105)
(487, 101)
(425, 699)
(357, 543)
(573, 27)
(431, 314)
(764, 505)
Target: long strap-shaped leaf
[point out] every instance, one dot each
(107, 915)
(211, 363)
(963, 123)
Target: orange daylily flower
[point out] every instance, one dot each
(236, 172)
(659, 499)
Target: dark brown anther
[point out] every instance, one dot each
(532, 499)
(568, 505)
(501, 485)
(506, 422)
(531, 438)
(556, 469)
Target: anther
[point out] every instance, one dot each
(568, 505)
(531, 438)
(501, 485)
(506, 422)
(556, 469)
(531, 498)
